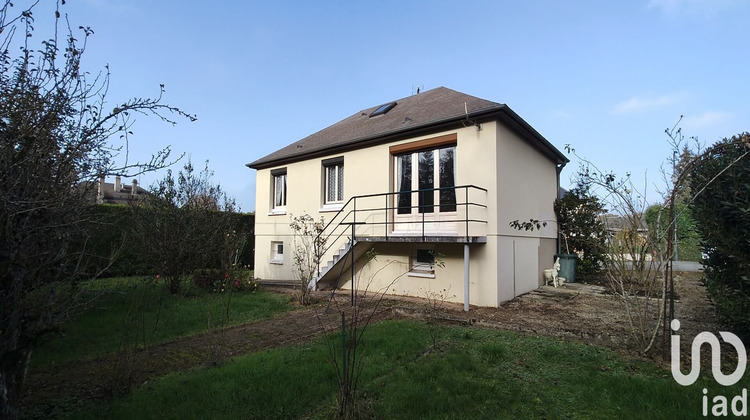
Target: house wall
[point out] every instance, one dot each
(547, 251)
(476, 160)
(390, 272)
(270, 228)
(509, 264)
(366, 171)
(526, 189)
(369, 171)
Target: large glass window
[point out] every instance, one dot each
(447, 158)
(435, 180)
(403, 176)
(426, 183)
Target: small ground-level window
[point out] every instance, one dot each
(277, 252)
(423, 263)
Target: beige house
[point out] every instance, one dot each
(440, 173)
(117, 192)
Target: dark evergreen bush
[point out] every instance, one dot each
(721, 207)
(117, 251)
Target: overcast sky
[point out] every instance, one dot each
(605, 77)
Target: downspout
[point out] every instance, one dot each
(559, 169)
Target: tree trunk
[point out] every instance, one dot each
(173, 282)
(12, 375)
(14, 356)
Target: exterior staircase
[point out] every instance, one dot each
(370, 219)
(331, 274)
(337, 260)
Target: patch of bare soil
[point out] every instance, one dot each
(583, 311)
(575, 311)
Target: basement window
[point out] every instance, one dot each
(277, 252)
(382, 109)
(423, 263)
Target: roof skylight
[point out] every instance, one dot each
(382, 109)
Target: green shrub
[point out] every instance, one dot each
(207, 278)
(214, 280)
(582, 230)
(722, 184)
(117, 252)
(114, 251)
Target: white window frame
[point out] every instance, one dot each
(335, 166)
(422, 268)
(437, 205)
(278, 206)
(277, 252)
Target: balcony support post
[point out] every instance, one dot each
(466, 276)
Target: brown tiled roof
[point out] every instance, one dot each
(430, 110)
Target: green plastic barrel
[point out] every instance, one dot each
(567, 267)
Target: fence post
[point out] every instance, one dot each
(343, 349)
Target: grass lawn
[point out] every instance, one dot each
(474, 373)
(120, 303)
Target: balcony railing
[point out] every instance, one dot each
(377, 218)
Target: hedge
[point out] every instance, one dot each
(110, 240)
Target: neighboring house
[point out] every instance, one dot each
(617, 225)
(117, 192)
(626, 235)
(437, 173)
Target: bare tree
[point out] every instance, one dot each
(633, 266)
(435, 306)
(182, 224)
(351, 316)
(640, 264)
(307, 252)
(57, 137)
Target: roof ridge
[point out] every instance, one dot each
(414, 112)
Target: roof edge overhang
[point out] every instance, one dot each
(501, 113)
(525, 130)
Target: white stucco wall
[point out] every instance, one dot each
(507, 265)
(527, 186)
(390, 272)
(526, 189)
(366, 171)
